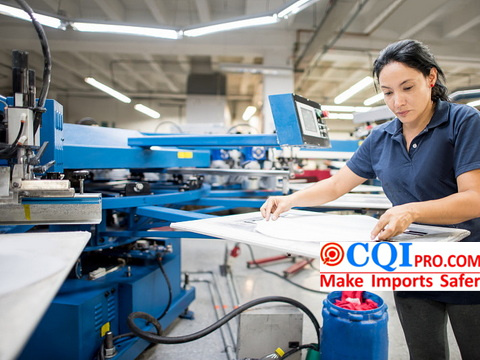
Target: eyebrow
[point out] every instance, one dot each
(403, 82)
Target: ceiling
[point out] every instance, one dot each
(330, 45)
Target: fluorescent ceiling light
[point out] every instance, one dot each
(374, 99)
(474, 103)
(147, 111)
(295, 7)
(352, 109)
(108, 90)
(248, 113)
(126, 29)
(347, 94)
(340, 116)
(20, 14)
(231, 25)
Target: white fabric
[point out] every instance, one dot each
(316, 228)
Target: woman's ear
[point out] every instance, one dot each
(432, 77)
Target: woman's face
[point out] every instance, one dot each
(407, 92)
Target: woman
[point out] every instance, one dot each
(428, 161)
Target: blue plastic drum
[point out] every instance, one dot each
(354, 334)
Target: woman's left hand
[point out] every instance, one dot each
(393, 222)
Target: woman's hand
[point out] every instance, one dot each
(393, 222)
(276, 205)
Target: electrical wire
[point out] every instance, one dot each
(174, 124)
(158, 339)
(47, 66)
(282, 277)
(169, 286)
(314, 267)
(10, 150)
(101, 352)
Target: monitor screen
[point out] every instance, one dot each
(314, 129)
(308, 119)
(298, 121)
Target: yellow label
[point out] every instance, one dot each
(26, 208)
(185, 155)
(105, 328)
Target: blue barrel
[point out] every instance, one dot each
(354, 334)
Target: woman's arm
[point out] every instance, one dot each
(320, 193)
(453, 209)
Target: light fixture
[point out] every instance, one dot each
(248, 113)
(352, 109)
(231, 25)
(126, 29)
(474, 103)
(108, 90)
(49, 21)
(359, 86)
(340, 116)
(374, 99)
(295, 7)
(147, 111)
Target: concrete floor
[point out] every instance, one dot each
(202, 259)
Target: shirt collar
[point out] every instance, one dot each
(439, 117)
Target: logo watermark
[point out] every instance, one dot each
(384, 266)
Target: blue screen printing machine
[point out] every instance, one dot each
(91, 220)
(103, 247)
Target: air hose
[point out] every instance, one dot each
(159, 339)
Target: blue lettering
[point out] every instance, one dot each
(393, 256)
(351, 257)
(405, 255)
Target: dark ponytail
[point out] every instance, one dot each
(417, 56)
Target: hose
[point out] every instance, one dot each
(158, 339)
(169, 286)
(47, 68)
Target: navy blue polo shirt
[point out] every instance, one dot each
(448, 147)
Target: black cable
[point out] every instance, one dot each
(101, 355)
(9, 151)
(314, 267)
(47, 66)
(282, 277)
(169, 286)
(14, 143)
(156, 339)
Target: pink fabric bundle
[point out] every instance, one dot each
(353, 300)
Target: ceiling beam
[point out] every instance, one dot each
(103, 73)
(133, 74)
(158, 10)
(203, 9)
(322, 41)
(113, 9)
(462, 22)
(160, 73)
(383, 16)
(52, 4)
(429, 17)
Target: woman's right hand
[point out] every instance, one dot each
(276, 205)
